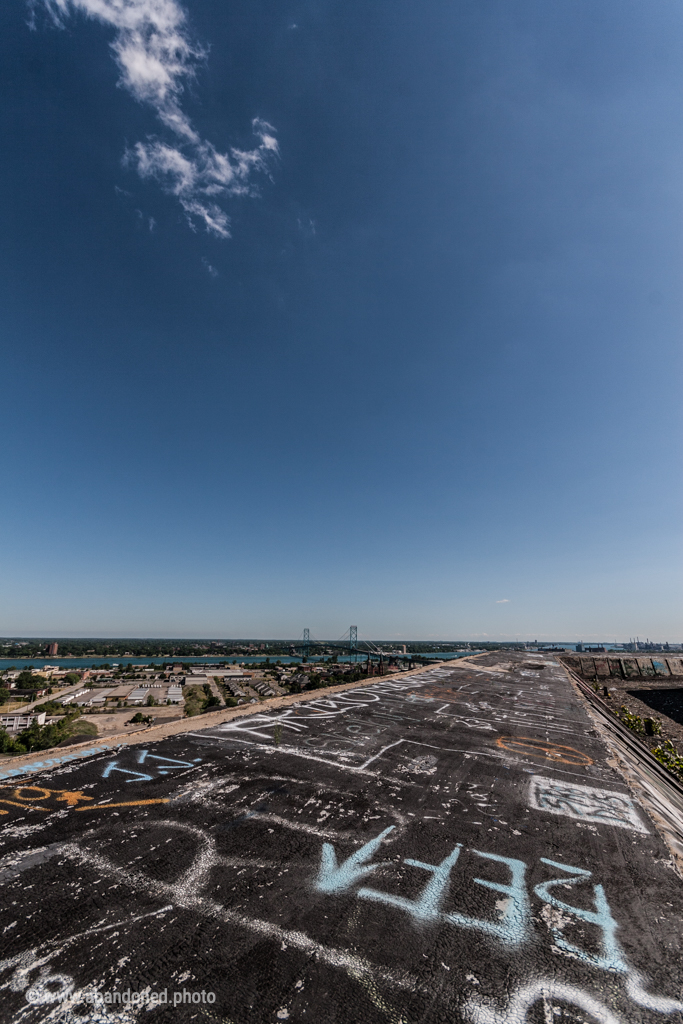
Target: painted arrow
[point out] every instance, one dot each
(168, 762)
(336, 877)
(113, 767)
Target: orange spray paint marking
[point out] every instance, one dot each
(67, 796)
(541, 748)
(24, 807)
(28, 797)
(129, 803)
(43, 794)
(71, 797)
(31, 797)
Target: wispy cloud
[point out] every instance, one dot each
(155, 57)
(503, 600)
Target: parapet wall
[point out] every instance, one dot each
(634, 667)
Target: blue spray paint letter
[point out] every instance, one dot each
(612, 958)
(168, 762)
(335, 877)
(516, 916)
(113, 767)
(428, 906)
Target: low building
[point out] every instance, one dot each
(197, 680)
(98, 698)
(139, 695)
(264, 689)
(16, 723)
(119, 693)
(234, 689)
(28, 695)
(175, 694)
(68, 698)
(84, 698)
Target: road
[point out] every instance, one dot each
(453, 846)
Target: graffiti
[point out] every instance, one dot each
(343, 876)
(467, 721)
(481, 796)
(189, 892)
(15, 803)
(340, 867)
(294, 718)
(56, 987)
(126, 803)
(312, 731)
(335, 877)
(428, 906)
(254, 804)
(515, 920)
(113, 766)
(452, 695)
(541, 748)
(327, 740)
(54, 762)
(515, 912)
(584, 803)
(51, 762)
(477, 1011)
(453, 698)
(40, 798)
(167, 765)
(611, 957)
(33, 798)
(457, 704)
(662, 1004)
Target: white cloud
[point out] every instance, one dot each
(504, 600)
(155, 56)
(306, 226)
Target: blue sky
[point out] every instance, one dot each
(317, 313)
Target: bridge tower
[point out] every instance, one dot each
(306, 647)
(353, 641)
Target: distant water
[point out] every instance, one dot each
(69, 663)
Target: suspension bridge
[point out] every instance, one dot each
(349, 643)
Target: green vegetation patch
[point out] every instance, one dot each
(40, 737)
(644, 726)
(668, 756)
(83, 728)
(199, 699)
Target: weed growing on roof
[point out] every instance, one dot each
(670, 758)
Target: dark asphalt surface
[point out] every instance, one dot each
(453, 846)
